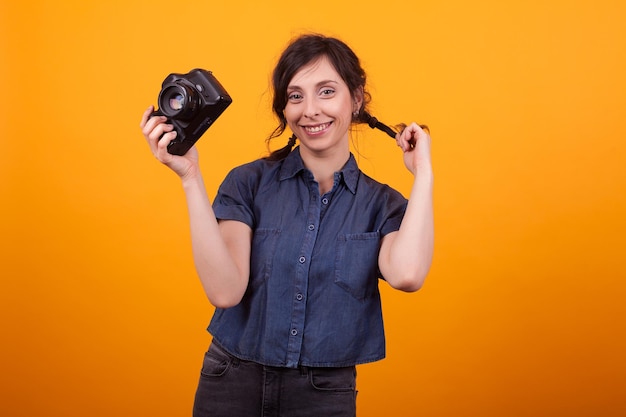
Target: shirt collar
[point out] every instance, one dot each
(293, 164)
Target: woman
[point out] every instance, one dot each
(292, 248)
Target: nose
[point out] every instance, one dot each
(311, 107)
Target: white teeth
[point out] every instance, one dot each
(316, 129)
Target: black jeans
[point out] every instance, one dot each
(230, 387)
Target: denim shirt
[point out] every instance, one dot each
(312, 297)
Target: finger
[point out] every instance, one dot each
(165, 139)
(414, 129)
(400, 140)
(156, 134)
(418, 132)
(405, 139)
(421, 130)
(160, 148)
(146, 116)
(152, 124)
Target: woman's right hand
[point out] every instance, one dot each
(159, 134)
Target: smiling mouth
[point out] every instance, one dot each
(317, 128)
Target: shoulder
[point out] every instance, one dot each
(374, 188)
(248, 179)
(252, 172)
(257, 166)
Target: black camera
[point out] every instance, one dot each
(191, 102)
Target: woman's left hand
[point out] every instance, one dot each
(415, 144)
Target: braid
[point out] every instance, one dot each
(292, 141)
(373, 122)
(282, 153)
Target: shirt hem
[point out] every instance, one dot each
(310, 364)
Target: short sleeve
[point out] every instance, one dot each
(393, 211)
(235, 196)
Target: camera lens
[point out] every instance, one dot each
(178, 100)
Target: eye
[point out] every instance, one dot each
(327, 92)
(294, 96)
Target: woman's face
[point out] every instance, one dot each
(319, 107)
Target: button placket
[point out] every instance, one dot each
(310, 231)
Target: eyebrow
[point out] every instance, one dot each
(318, 85)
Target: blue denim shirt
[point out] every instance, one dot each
(313, 297)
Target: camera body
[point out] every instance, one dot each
(191, 102)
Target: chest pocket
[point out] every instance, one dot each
(356, 263)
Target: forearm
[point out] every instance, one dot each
(223, 278)
(407, 256)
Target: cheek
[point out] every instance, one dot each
(344, 112)
(343, 108)
(291, 115)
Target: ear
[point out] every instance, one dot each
(358, 99)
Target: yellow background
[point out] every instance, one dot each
(523, 314)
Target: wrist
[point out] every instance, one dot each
(192, 179)
(423, 176)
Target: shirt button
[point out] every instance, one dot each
(294, 332)
(299, 297)
(324, 201)
(311, 227)
(302, 259)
